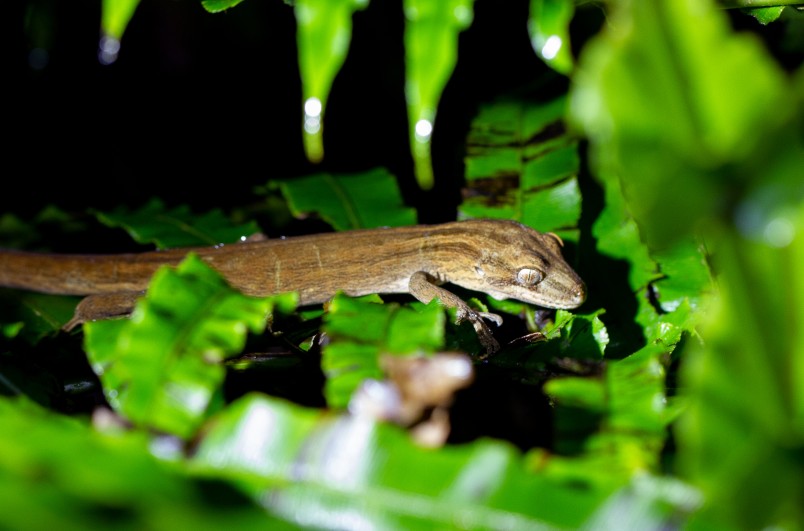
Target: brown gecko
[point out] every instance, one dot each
(504, 259)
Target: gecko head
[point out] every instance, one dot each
(520, 263)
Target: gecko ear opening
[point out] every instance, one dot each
(529, 277)
(556, 237)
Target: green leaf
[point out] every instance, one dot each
(360, 331)
(617, 236)
(548, 25)
(176, 227)
(742, 437)
(47, 225)
(161, 369)
(656, 94)
(323, 33)
(628, 405)
(577, 335)
(15, 233)
(765, 15)
(57, 472)
(36, 314)
(685, 275)
(431, 51)
(521, 165)
(115, 16)
(354, 201)
(571, 344)
(661, 282)
(216, 6)
(315, 468)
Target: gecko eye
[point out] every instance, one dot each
(529, 277)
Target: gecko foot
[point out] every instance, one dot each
(484, 334)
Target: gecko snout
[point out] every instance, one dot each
(579, 295)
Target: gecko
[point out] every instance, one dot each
(502, 258)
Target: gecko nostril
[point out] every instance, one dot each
(580, 293)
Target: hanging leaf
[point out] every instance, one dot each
(353, 201)
(176, 227)
(431, 50)
(548, 25)
(115, 16)
(161, 369)
(522, 165)
(323, 34)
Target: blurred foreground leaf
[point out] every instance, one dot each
(355, 201)
(315, 469)
(57, 473)
(176, 227)
(656, 95)
(743, 437)
(161, 369)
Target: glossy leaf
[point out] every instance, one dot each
(161, 369)
(655, 96)
(521, 165)
(315, 469)
(360, 331)
(323, 34)
(176, 227)
(431, 50)
(548, 25)
(353, 201)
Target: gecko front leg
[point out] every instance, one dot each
(423, 287)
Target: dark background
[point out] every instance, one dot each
(200, 108)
